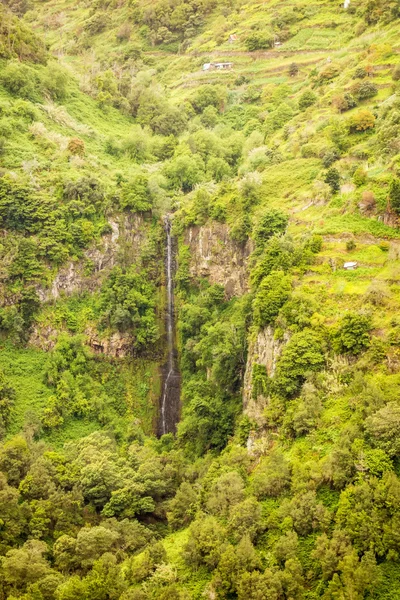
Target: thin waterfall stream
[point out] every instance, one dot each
(170, 398)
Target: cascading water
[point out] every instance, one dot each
(170, 398)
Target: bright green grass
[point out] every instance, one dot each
(24, 369)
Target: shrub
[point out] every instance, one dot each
(307, 99)
(259, 41)
(361, 121)
(360, 177)
(20, 80)
(330, 157)
(328, 73)
(364, 90)
(350, 245)
(344, 102)
(97, 23)
(396, 73)
(353, 334)
(76, 146)
(55, 81)
(293, 69)
(360, 73)
(124, 32)
(368, 201)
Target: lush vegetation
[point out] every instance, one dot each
(282, 481)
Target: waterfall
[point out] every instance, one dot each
(170, 399)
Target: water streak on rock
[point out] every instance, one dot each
(170, 399)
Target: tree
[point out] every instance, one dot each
(332, 178)
(302, 355)
(182, 507)
(273, 292)
(273, 222)
(259, 586)
(184, 172)
(15, 459)
(92, 542)
(272, 477)
(330, 552)
(209, 95)
(353, 334)
(259, 41)
(394, 195)
(293, 69)
(384, 428)
(205, 542)
(226, 492)
(245, 518)
(26, 565)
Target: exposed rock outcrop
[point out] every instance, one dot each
(216, 256)
(121, 245)
(263, 350)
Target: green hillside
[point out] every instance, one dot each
(269, 134)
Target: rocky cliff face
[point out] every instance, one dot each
(122, 246)
(215, 256)
(263, 350)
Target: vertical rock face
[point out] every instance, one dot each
(264, 350)
(215, 256)
(123, 244)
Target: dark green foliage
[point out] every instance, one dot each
(259, 41)
(384, 428)
(308, 98)
(364, 90)
(209, 95)
(259, 381)
(332, 178)
(127, 303)
(26, 45)
(136, 194)
(394, 195)
(272, 478)
(272, 293)
(303, 354)
(271, 223)
(353, 334)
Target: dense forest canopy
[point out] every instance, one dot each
(269, 135)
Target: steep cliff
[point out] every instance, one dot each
(215, 256)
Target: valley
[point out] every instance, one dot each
(199, 299)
